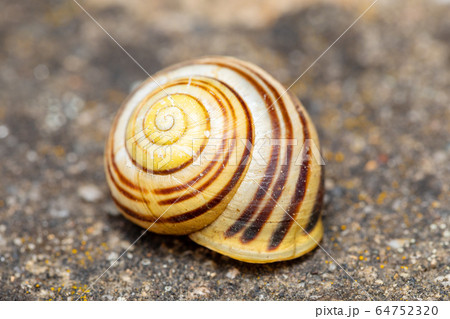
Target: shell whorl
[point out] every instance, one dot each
(214, 149)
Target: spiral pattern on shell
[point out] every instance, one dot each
(215, 149)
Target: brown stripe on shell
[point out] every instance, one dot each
(232, 183)
(122, 190)
(299, 194)
(218, 198)
(250, 210)
(243, 219)
(255, 228)
(199, 211)
(110, 144)
(190, 183)
(225, 161)
(147, 203)
(317, 209)
(216, 157)
(196, 179)
(128, 211)
(200, 189)
(124, 180)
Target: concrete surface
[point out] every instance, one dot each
(379, 97)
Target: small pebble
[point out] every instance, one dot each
(200, 291)
(71, 158)
(332, 267)
(398, 243)
(32, 156)
(232, 273)
(433, 263)
(125, 277)
(445, 281)
(59, 213)
(113, 256)
(41, 72)
(90, 193)
(145, 262)
(4, 131)
(112, 210)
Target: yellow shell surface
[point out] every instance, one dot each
(216, 149)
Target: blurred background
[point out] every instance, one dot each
(380, 98)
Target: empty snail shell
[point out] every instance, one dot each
(215, 149)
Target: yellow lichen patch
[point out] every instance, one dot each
(362, 196)
(350, 184)
(59, 151)
(435, 204)
(88, 255)
(371, 166)
(339, 157)
(381, 198)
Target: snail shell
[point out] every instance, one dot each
(213, 148)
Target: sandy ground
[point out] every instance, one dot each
(379, 97)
